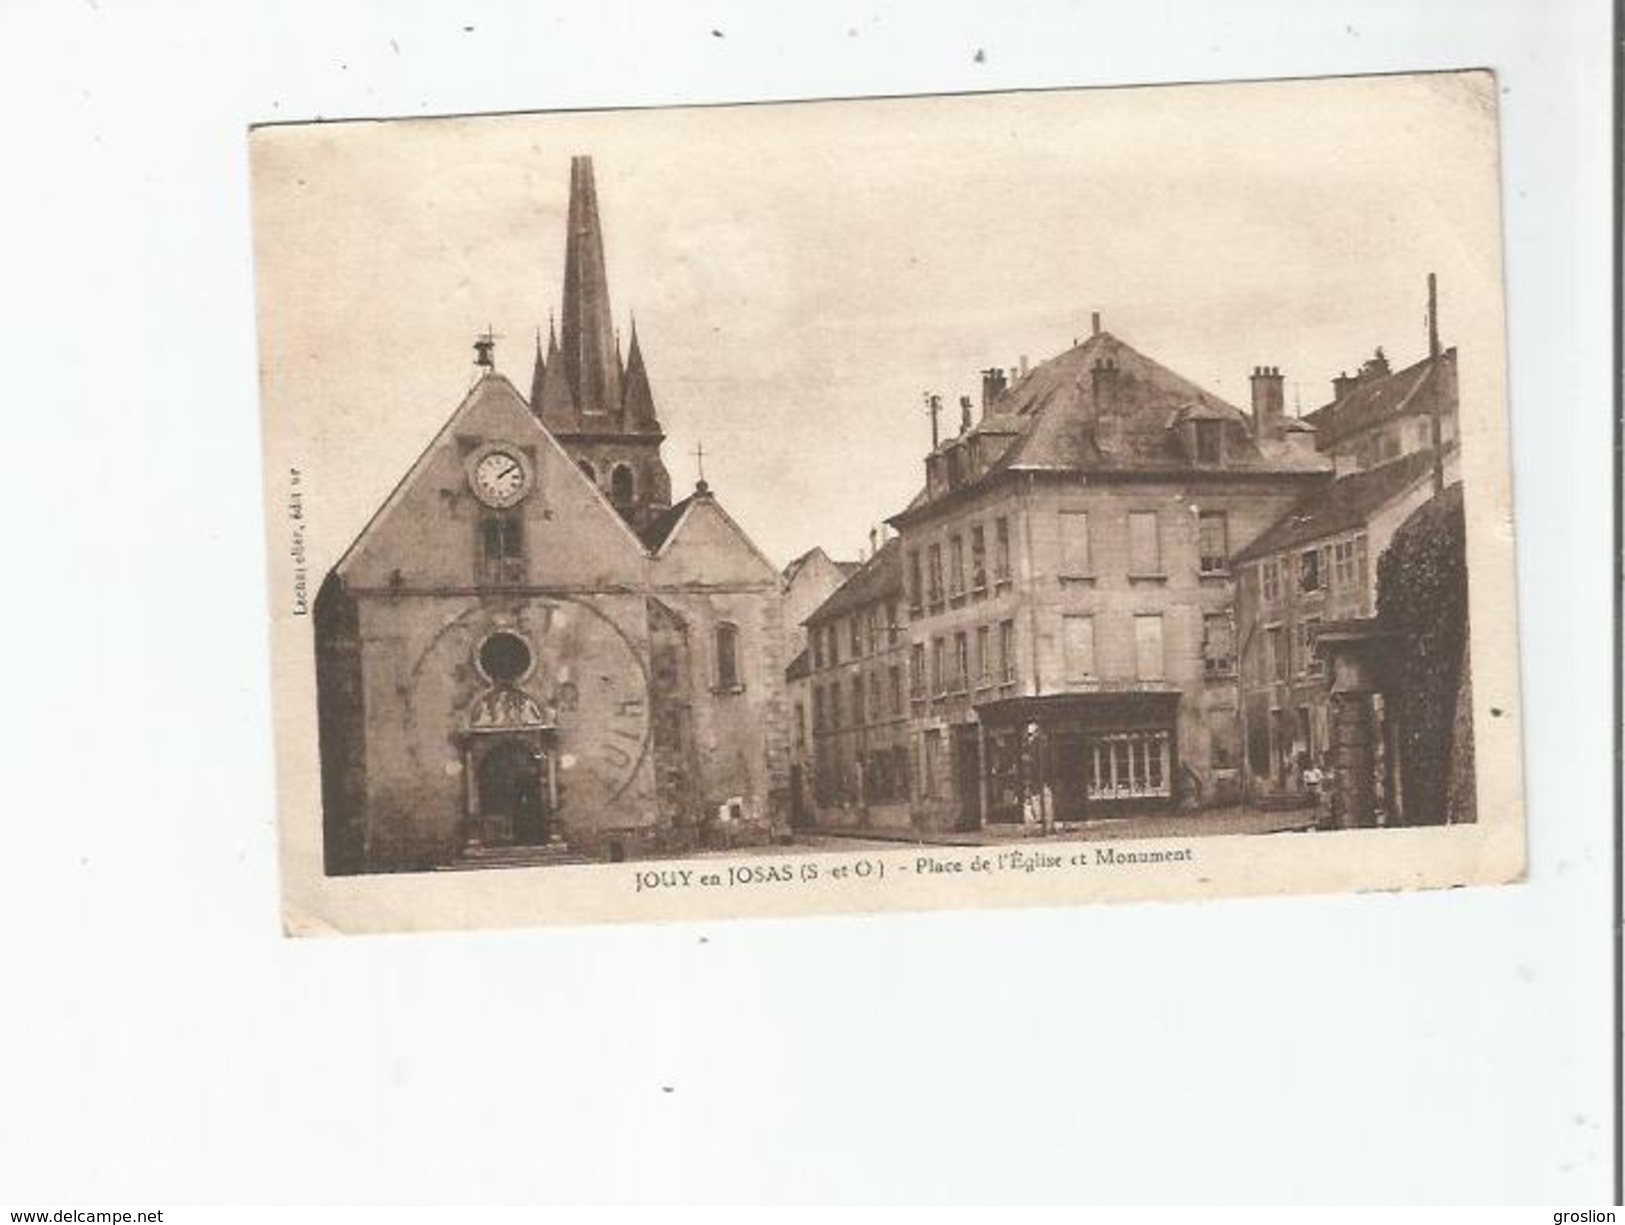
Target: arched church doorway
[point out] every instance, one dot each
(513, 793)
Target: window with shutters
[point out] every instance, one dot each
(956, 567)
(1144, 545)
(1270, 578)
(934, 575)
(1078, 634)
(1076, 561)
(1007, 652)
(915, 603)
(1213, 541)
(1148, 647)
(1218, 645)
(1001, 550)
(916, 671)
(984, 655)
(978, 559)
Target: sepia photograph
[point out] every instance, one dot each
(898, 502)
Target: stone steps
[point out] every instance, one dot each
(475, 858)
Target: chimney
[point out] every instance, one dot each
(992, 386)
(964, 414)
(1343, 384)
(1269, 402)
(1094, 323)
(1103, 388)
(1023, 365)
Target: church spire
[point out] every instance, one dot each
(637, 400)
(588, 347)
(537, 374)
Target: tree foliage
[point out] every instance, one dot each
(1422, 604)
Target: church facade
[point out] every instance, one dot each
(531, 654)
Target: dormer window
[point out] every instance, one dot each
(1209, 442)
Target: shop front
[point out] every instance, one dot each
(1075, 757)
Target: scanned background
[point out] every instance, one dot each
(165, 1042)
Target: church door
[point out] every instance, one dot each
(513, 794)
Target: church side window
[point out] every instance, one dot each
(620, 485)
(727, 642)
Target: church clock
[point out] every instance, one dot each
(499, 474)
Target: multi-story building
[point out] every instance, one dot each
(1394, 439)
(856, 682)
(807, 582)
(1065, 575)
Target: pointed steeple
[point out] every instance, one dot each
(537, 375)
(637, 401)
(554, 404)
(588, 341)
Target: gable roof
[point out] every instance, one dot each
(667, 528)
(1378, 398)
(490, 391)
(1342, 506)
(879, 578)
(655, 532)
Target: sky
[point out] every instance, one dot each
(803, 273)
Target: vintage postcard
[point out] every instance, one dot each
(1012, 499)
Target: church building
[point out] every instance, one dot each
(530, 654)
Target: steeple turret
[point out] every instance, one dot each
(637, 400)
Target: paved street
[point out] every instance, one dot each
(1208, 823)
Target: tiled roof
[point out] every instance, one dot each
(655, 532)
(799, 667)
(1046, 421)
(1342, 506)
(879, 578)
(1375, 399)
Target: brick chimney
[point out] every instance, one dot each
(993, 385)
(1269, 402)
(1104, 384)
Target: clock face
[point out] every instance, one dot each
(500, 477)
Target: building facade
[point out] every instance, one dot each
(1394, 440)
(529, 653)
(1067, 592)
(807, 581)
(856, 685)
